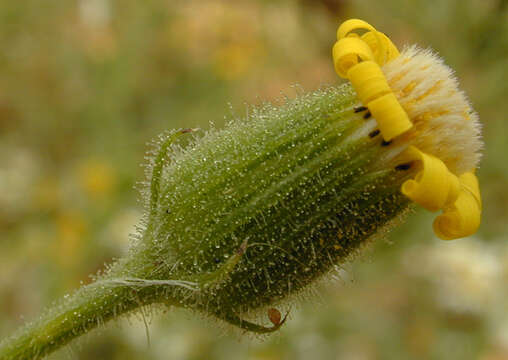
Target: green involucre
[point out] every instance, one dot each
(242, 218)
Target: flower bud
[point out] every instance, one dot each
(260, 210)
(241, 219)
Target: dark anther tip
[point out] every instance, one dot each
(403, 166)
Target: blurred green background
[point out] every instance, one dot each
(84, 85)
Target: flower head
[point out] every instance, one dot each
(420, 111)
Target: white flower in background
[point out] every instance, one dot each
(19, 171)
(468, 274)
(95, 13)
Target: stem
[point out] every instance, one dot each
(87, 308)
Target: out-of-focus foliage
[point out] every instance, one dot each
(85, 84)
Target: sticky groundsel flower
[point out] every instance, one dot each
(246, 217)
(405, 100)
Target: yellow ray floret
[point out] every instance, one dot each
(347, 52)
(369, 81)
(383, 49)
(358, 58)
(436, 188)
(387, 49)
(392, 119)
(348, 26)
(463, 217)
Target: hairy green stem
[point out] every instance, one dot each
(89, 307)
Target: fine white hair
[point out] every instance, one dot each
(445, 124)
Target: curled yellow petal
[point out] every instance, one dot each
(351, 25)
(434, 186)
(384, 53)
(469, 183)
(368, 81)
(464, 216)
(347, 52)
(390, 116)
(359, 58)
(376, 41)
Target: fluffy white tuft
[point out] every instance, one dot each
(445, 124)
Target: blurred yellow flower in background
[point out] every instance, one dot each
(234, 61)
(47, 194)
(71, 229)
(208, 31)
(96, 178)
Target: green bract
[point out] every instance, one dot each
(242, 218)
